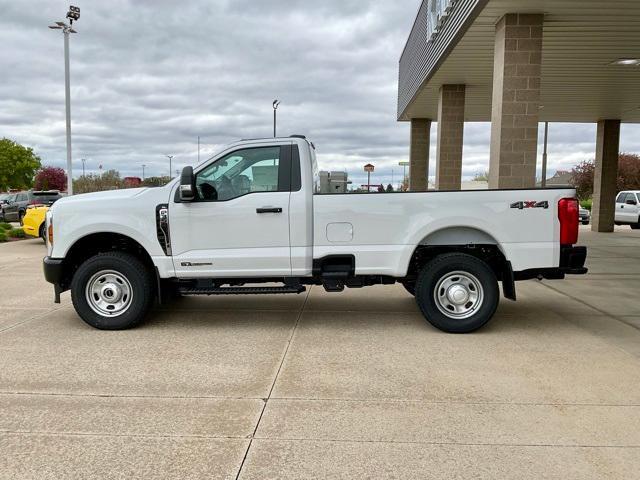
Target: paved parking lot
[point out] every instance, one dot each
(352, 385)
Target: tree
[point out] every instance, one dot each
(155, 181)
(380, 188)
(18, 164)
(582, 179)
(481, 176)
(109, 180)
(50, 178)
(628, 175)
(389, 188)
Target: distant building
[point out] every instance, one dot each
(562, 178)
(131, 182)
(333, 182)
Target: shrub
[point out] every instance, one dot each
(586, 204)
(5, 226)
(16, 233)
(3, 236)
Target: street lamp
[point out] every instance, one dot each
(72, 14)
(275, 108)
(170, 157)
(143, 165)
(84, 160)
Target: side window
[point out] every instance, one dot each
(241, 172)
(630, 196)
(638, 195)
(621, 197)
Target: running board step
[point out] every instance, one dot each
(242, 290)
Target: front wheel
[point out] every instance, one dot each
(635, 226)
(112, 291)
(457, 293)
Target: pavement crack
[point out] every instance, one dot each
(273, 384)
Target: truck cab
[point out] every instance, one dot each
(250, 220)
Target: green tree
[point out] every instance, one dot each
(18, 165)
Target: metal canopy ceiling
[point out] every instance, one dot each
(581, 38)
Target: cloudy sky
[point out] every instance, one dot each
(150, 76)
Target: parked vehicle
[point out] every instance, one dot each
(584, 215)
(5, 199)
(16, 209)
(33, 222)
(250, 215)
(628, 209)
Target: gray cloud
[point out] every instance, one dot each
(149, 76)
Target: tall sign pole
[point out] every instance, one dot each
(368, 168)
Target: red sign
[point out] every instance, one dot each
(368, 167)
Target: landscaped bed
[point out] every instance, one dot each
(8, 233)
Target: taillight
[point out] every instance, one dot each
(568, 216)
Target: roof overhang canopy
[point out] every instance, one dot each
(579, 82)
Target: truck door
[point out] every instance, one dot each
(238, 225)
(628, 209)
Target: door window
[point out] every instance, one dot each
(620, 198)
(630, 197)
(252, 170)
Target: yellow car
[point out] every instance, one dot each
(33, 221)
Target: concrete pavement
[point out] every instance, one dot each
(351, 385)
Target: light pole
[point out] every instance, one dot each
(72, 14)
(143, 165)
(170, 157)
(275, 109)
(543, 182)
(84, 160)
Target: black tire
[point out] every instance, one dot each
(140, 282)
(585, 223)
(410, 287)
(635, 226)
(21, 217)
(477, 279)
(41, 232)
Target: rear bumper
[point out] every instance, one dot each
(572, 259)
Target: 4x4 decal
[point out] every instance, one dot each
(530, 204)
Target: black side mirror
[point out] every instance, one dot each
(187, 185)
(631, 202)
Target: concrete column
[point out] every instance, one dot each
(516, 101)
(450, 133)
(605, 176)
(419, 154)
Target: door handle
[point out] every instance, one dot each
(269, 210)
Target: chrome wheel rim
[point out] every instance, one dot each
(109, 293)
(458, 295)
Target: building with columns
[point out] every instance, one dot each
(517, 63)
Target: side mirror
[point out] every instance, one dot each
(631, 202)
(187, 185)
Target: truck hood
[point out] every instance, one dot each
(112, 200)
(105, 195)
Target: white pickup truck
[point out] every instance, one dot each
(249, 221)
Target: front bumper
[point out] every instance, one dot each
(54, 273)
(52, 269)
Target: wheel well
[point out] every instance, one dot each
(489, 253)
(96, 243)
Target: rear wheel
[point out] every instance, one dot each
(635, 226)
(21, 217)
(41, 232)
(457, 293)
(112, 291)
